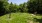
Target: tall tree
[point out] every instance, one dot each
(23, 7)
(11, 7)
(34, 5)
(2, 6)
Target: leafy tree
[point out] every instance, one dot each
(16, 8)
(2, 6)
(11, 8)
(34, 5)
(23, 7)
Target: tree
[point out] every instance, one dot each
(16, 8)
(34, 5)
(13, 7)
(23, 7)
(2, 7)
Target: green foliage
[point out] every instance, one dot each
(24, 17)
(23, 7)
(2, 6)
(35, 5)
(30, 6)
(13, 7)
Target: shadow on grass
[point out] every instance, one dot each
(38, 20)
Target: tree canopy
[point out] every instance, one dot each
(30, 6)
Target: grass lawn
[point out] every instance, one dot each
(18, 18)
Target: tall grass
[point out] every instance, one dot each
(19, 18)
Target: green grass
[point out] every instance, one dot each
(18, 18)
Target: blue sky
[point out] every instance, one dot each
(17, 1)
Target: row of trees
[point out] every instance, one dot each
(18, 8)
(29, 6)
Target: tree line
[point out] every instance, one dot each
(30, 6)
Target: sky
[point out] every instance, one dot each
(17, 1)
